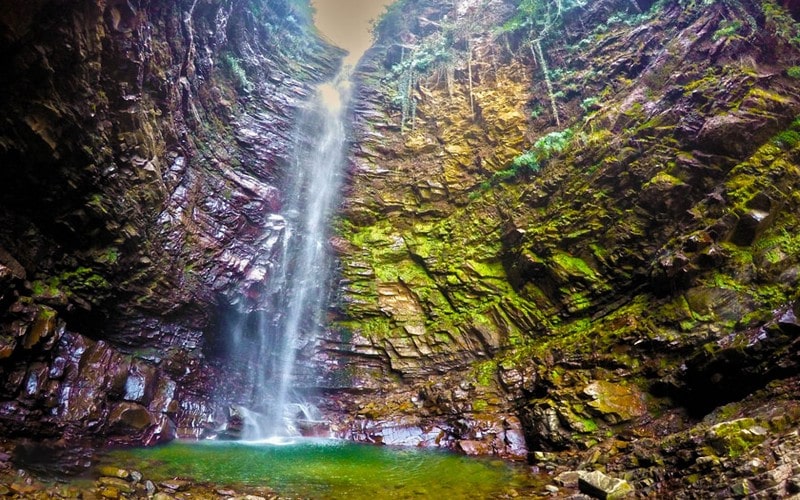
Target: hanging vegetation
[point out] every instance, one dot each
(537, 20)
(437, 55)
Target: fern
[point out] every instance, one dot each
(237, 72)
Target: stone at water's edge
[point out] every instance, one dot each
(598, 485)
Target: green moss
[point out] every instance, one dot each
(373, 328)
(47, 289)
(46, 314)
(37, 288)
(781, 241)
(787, 139)
(793, 72)
(735, 437)
(110, 256)
(479, 405)
(589, 425)
(771, 296)
(663, 178)
(485, 372)
(84, 279)
(487, 269)
(573, 265)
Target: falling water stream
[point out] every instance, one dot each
(298, 283)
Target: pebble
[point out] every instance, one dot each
(175, 484)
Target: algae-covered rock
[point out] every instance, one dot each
(735, 437)
(616, 403)
(111, 471)
(599, 485)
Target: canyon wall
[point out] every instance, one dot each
(142, 148)
(575, 228)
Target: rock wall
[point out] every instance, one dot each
(599, 257)
(142, 147)
(570, 234)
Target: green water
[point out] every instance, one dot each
(326, 469)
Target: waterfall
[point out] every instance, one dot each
(298, 284)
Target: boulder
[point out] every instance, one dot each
(127, 417)
(598, 485)
(615, 402)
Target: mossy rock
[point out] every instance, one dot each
(736, 436)
(616, 403)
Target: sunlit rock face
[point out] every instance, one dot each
(583, 260)
(142, 150)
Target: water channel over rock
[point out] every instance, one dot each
(294, 298)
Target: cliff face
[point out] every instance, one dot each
(141, 145)
(570, 232)
(601, 256)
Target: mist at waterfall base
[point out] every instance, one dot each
(263, 347)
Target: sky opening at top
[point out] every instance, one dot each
(347, 23)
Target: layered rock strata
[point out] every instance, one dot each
(597, 257)
(142, 148)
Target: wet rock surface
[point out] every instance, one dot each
(142, 147)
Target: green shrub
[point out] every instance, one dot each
(530, 161)
(589, 103)
(787, 139)
(552, 143)
(537, 111)
(526, 161)
(727, 29)
(237, 72)
(793, 72)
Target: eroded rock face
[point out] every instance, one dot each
(142, 150)
(599, 271)
(592, 269)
